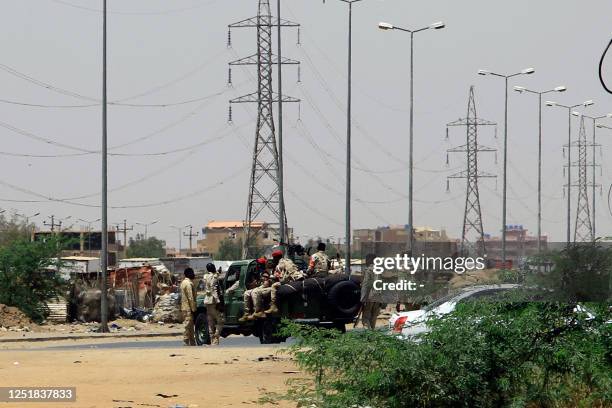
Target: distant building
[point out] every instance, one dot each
(87, 244)
(217, 231)
(519, 245)
(397, 234)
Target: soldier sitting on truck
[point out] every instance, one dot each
(285, 271)
(256, 280)
(319, 263)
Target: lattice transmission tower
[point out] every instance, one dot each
(265, 185)
(472, 237)
(583, 229)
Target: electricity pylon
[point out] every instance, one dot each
(472, 217)
(265, 183)
(583, 229)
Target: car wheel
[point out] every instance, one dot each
(344, 297)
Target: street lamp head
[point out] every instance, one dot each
(483, 72)
(560, 89)
(528, 71)
(589, 102)
(576, 113)
(519, 89)
(599, 125)
(551, 103)
(385, 26)
(437, 25)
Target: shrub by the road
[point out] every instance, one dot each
(482, 355)
(23, 281)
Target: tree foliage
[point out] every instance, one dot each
(229, 250)
(23, 281)
(483, 355)
(13, 228)
(142, 247)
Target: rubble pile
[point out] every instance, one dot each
(167, 309)
(12, 317)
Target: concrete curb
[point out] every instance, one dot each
(90, 336)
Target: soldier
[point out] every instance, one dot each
(188, 306)
(285, 272)
(212, 301)
(319, 263)
(369, 308)
(257, 279)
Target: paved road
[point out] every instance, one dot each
(229, 342)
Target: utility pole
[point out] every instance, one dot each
(124, 230)
(89, 231)
(266, 173)
(472, 217)
(191, 235)
(104, 255)
(53, 224)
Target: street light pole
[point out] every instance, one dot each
(569, 161)
(388, 26)
(526, 71)
(521, 89)
(347, 257)
(104, 255)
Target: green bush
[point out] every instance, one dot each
(482, 355)
(23, 281)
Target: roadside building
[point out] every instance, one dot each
(216, 232)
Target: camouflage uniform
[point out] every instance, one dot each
(212, 301)
(319, 264)
(286, 272)
(188, 308)
(369, 308)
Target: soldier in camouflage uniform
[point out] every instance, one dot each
(188, 306)
(212, 301)
(285, 272)
(319, 263)
(370, 309)
(257, 281)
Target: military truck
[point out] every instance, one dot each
(330, 302)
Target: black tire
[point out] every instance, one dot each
(344, 298)
(202, 335)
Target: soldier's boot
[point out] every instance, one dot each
(215, 340)
(272, 310)
(259, 315)
(246, 316)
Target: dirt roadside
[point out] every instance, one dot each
(133, 378)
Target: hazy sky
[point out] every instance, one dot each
(164, 52)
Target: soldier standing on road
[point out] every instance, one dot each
(319, 263)
(188, 306)
(212, 301)
(369, 307)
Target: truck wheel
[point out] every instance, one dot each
(344, 297)
(202, 336)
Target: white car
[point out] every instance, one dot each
(414, 322)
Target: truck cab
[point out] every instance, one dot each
(325, 302)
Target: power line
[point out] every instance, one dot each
(135, 13)
(45, 198)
